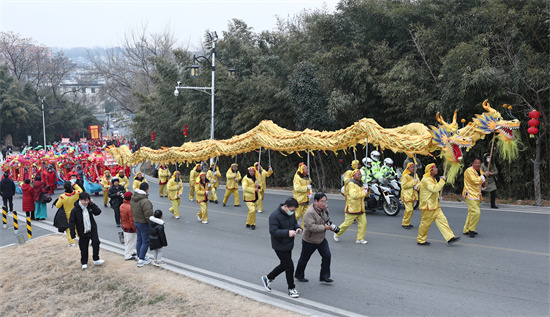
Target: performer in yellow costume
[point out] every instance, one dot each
(138, 179)
(106, 183)
(233, 177)
(214, 179)
(348, 175)
(175, 189)
(409, 195)
(123, 180)
(431, 210)
(67, 200)
(474, 180)
(250, 196)
(302, 190)
(261, 175)
(164, 176)
(355, 208)
(202, 187)
(193, 175)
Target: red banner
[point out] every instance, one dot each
(94, 132)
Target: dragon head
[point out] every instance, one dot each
(491, 121)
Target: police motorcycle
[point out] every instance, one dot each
(393, 181)
(381, 196)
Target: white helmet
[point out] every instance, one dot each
(366, 161)
(388, 161)
(375, 155)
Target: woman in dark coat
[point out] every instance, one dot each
(40, 209)
(28, 198)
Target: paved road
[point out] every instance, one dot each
(503, 271)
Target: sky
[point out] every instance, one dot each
(92, 23)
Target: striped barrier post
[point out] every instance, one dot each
(29, 226)
(5, 217)
(15, 224)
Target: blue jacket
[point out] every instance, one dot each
(279, 225)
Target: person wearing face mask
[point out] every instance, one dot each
(73, 178)
(82, 219)
(283, 227)
(491, 179)
(474, 181)
(316, 224)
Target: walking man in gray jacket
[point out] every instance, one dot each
(316, 223)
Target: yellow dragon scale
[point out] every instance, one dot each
(413, 138)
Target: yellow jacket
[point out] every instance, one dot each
(472, 184)
(249, 189)
(355, 203)
(214, 177)
(429, 193)
(136, 182)
(67, 200)
(261, 178)
(164, 176)
(300, 189)
(106, 182)
(174, 188)
(200, 192)
(123, 181)
(347, 177)
(232, 179)
(193, 175)
(408, 193)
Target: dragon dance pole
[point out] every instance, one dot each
(269, 157)
(491, 152)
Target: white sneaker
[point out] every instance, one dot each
(177, 217)
(205, 221)
(159, 263)
(143, 262)
(199, 218)
(336, 238)
(266, 282)
(71, 245)
(99, 262)
(84, 266)
(259, 211)
(362, 241)
(293, 293)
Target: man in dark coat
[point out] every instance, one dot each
(283, 227)
(82, 218)
(116, 193)
(7, 190)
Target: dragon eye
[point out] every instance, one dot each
(457, 132)
(451, 134)
(498, 119)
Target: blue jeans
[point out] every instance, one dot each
(307, 251)
(142, 243)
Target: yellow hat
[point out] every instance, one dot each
(355, 164)
(428, 169)
(406, 171)
(301, 167)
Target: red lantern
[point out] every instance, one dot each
(185, 131)
(533, 130)
(153, 136)
(534, 114)
(533, 122)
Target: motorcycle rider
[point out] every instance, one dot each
(409, 188)
(367, 174)
(387, 171)
(376, 164)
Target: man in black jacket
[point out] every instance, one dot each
(7, 190)
(283, 227)
(116, 193)
(82, 218)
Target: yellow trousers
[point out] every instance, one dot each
(251, 219)
(473, 215)
(192, 192)
(300, 212)
(175, 209)
(361, 224)
(260, 201)
(430, 216)
(203, 213)
(409, 206)
(213, 194)
(105, 198)
(228, 193)
(68, 232)
(162, 191)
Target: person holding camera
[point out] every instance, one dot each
(116, 193)
(316, 223)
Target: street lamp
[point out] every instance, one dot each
(194, 72)
(43, 122)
